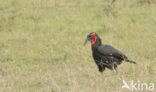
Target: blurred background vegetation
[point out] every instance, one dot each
(41, 44)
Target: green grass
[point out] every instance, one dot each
(41, 44)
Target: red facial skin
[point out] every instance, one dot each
(93, 40)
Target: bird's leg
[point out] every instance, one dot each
(101, 68)
(115, 68)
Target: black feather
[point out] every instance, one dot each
(106, 56)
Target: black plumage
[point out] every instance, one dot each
(105, 56)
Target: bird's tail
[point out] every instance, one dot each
(127, 60)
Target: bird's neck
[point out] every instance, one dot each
(97, 44)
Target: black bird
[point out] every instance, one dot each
(105, 56)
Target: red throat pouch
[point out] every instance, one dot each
(93, 40)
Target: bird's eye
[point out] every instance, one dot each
(89, 36)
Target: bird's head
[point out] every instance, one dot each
(92, 37)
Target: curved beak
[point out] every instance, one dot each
(88, 39)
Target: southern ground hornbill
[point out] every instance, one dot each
(105, 56)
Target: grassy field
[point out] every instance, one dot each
(41, 44)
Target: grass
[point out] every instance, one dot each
(41, 44)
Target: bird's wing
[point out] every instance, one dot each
(109, 50)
